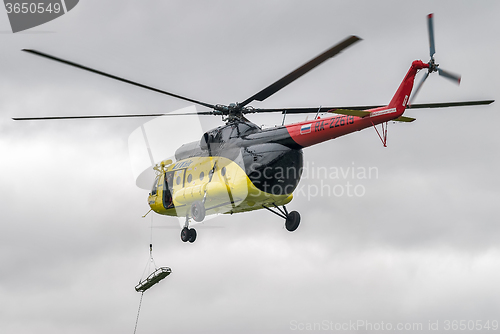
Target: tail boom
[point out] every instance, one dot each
(322, 129)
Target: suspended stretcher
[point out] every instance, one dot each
(155, 277)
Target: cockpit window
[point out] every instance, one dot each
(217, 138)
(155, 186)
(241, 129)
(168, 180)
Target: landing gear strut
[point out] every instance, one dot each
(198, 210)
(292, 219)
(198, 214)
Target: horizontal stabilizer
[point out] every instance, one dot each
(405, 119)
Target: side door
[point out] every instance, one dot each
(168, 190)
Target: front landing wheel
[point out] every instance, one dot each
(292, 221)
(185, 234)
(192, 235)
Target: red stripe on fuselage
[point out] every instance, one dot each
(323, 129)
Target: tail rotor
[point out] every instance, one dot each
(433, 66)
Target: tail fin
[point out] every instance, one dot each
(401, 98)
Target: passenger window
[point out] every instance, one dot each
(179, 177)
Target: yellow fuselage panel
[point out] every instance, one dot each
(229, 191)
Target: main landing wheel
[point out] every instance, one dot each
(192, 235)
(198, 211)
(188, 234)
(292, 221)
(185, 234)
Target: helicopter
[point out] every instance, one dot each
(240, 166)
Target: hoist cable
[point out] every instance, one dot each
(138, 312)
(151, 259)
(151, 244)
(151, 231)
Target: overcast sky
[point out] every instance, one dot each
(419, 246)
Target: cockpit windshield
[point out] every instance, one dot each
(233, 130)
(241, 129)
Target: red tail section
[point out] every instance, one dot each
(319, 130)
(400, 99)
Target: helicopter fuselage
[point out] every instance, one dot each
(252, 167)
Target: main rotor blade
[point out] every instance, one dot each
(453, 77)
(430, 26)
(67, 62)
(418, 87)
(107, 116)
(308, 110)
(450, 104)
(289, 78)
(333, 109)
(281, 110)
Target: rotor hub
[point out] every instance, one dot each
(232, 112)
(433, 66)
